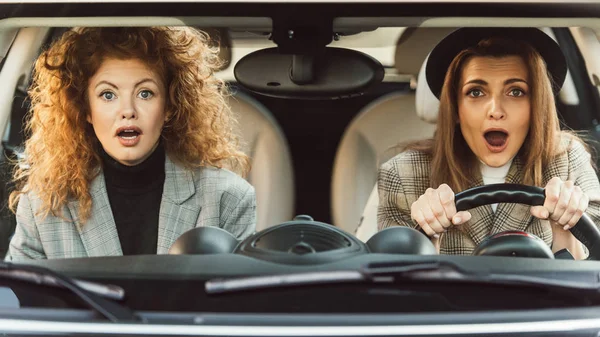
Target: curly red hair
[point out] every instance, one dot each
(61, 159)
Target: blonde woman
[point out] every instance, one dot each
(132, 145)
(497, 124)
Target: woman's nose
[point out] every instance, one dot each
(128, 109)
(496, 109)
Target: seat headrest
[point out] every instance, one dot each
(426, 104)
(413, 46)
(412, 49)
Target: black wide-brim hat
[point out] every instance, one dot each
(446, 50)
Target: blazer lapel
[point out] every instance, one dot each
(512, 216)
(482, 217)
(99, 234)
(176, 216)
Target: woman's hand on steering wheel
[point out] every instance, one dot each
(564, 205)
(435, 211)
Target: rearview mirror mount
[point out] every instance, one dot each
(331, 73)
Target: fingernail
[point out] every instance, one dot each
(437, 236)
(566, 227)
(457, 220)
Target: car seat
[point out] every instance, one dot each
(370, 138)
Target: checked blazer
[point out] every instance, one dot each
(404, 178)
(203, 197)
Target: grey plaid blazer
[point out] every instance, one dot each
(404, 178)
(204, 197)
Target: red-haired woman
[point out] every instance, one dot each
(132, 145)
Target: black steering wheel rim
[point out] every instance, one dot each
(585, 230)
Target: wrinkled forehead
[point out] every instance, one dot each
(124, 69)
(491, 69)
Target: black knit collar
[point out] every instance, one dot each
(144, 175)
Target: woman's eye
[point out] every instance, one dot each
(145, 94)
(517, 93)
(475, 93)
(107, 96)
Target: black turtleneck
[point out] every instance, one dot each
(135, 193)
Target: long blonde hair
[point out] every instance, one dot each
(453, 162)
(61, 160)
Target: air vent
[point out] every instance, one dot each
(309, 238)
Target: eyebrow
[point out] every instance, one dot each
(115, 86)
(507, 82)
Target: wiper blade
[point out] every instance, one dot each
(375, 273)
(444, 271)
(89, 292)
(217, 286)
(109, 291)
(311, 278)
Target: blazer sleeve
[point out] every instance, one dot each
(394, 208)
(25, 243)
(583, 174)
(238, 210)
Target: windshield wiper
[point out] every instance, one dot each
(446, 271)
(392, 272)
(92, 294)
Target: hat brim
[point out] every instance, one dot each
(446, 50)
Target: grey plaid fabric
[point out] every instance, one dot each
(204, 197)
(404, 178)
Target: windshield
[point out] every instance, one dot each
(262, 154)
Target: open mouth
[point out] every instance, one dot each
(496, 139)
(128, 134)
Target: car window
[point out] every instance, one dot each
(278, 116)
(355, 148)
(299, 155)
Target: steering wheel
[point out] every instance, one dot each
(585, 230)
